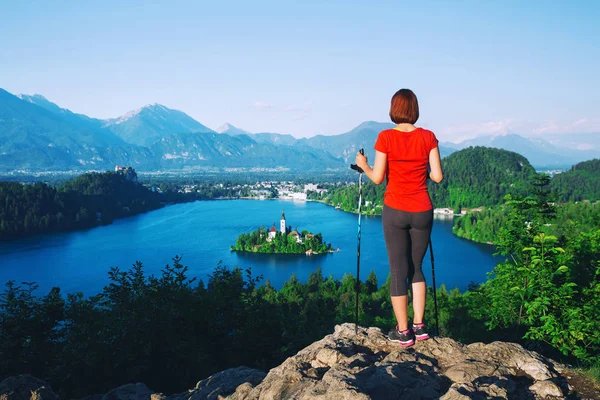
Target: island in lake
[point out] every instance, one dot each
(282, 241)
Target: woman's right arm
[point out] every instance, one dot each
(435, 165)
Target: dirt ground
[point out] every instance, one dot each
(586, 388)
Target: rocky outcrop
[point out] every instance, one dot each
(345, 366)
(222, 384)
(349, 366)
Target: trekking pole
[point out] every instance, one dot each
(437, 325)
(360, 173)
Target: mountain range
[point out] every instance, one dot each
(538, 152)
(262, 137)
(38, 135)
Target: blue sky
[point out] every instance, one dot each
(314, 67)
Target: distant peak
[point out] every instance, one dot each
(227, 127)
(148, 107)
(127, 116)
(374, 124)
(367, 123)
(155, 106)
(30, 97)
(504, 132)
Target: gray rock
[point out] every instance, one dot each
(494, 388)
(328, 357)
(25, 387)
(461, 391)
(225, 383)
(468, 371)
(546, 388)
(131, 391)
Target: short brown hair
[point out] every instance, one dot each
(405, 107)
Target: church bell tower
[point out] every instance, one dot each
(282, 223)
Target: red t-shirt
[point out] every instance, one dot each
(406, 172)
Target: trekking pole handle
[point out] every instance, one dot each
(356, 167)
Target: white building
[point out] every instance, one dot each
(272, 233)
(299, 196)
(296, 235)
(282, 223)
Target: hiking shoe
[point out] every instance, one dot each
(404, 338)
(420, 332)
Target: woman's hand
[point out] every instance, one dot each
(361, 161)
(377, 173)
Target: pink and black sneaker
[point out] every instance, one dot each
(420, 332)
(404, 338)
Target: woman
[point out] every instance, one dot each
(405, 155)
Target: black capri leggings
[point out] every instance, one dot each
(406, 238)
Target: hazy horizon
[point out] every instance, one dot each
(484, 131)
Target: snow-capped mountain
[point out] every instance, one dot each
(148, 124)
(42, 101)
(231, 130)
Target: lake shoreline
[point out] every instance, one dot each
(439, 213)
(202, 232)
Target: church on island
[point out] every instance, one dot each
(284, 240)
(284, 230)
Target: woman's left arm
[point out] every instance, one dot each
(377, 173)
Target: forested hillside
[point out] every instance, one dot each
(346, 197)
(481, 176)
(484, 226)
(581, 182)
(88, 200)
(564, 219)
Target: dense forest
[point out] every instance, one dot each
(567, 219)
(581, 182)
(171, 330)
(291, 242)
(89, 200)
(572, 218)
(345, 197)
(481, 176)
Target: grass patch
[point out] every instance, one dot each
(592, 372)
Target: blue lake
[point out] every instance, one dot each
(201, 232)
